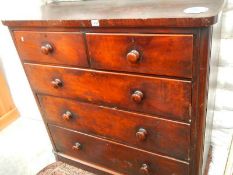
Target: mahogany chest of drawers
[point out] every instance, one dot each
(124, 87)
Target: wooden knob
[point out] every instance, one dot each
(141, 134)
(137, 96)
(46, 49)
(133, 56)
(144, 169)
(56, 83)
(77, 146)
(67, 115)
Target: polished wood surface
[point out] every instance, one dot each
(133, 56)
(162, 96)
(52, 47)
(153, 54)
(121, 13)
(123, 159)
(163, 136)
(131, 89)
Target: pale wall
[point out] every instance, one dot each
(21, 92)
(223, 115)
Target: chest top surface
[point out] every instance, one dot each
(123, 13)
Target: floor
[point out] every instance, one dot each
(24, 148)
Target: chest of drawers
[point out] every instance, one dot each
(124, 87)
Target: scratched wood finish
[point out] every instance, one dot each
(121, 13)
(123, 159)
(161, 96)
(158, 54)
(120, 126)
(66, 48)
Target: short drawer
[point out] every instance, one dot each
(160, 54)
(120, 158)
(160, 96)
(51, 47)
(141, 131)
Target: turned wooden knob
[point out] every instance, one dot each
(144, 169)
(67, 115)
(56, 83)
(46, 48)
(137, 96)
(77, 146)
(133, 56)
(141, 134)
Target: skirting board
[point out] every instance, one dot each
(8, 118)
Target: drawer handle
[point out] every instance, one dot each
(67, 115)
(56, 83)
(77, 146)
(141, 134)
(133, 56)
(137, 96)
(144, 169)
(46, 48)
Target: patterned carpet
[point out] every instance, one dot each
(59, 168)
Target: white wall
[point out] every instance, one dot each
(20, 90)
(223, 115)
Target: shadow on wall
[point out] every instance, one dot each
(16, 78)
(223, 120)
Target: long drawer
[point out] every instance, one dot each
(120, 158)
(160, 96)
(160, 54)
(142, 131)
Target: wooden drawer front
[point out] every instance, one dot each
(52, 47)
(167, 97)
(159, 135)
(157, 54)
(114, 156)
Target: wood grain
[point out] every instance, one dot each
(167, 97)
(122, 159)
(163, 136)
(161, 88)
(158, 54)
(121, 13)
(67, 48)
